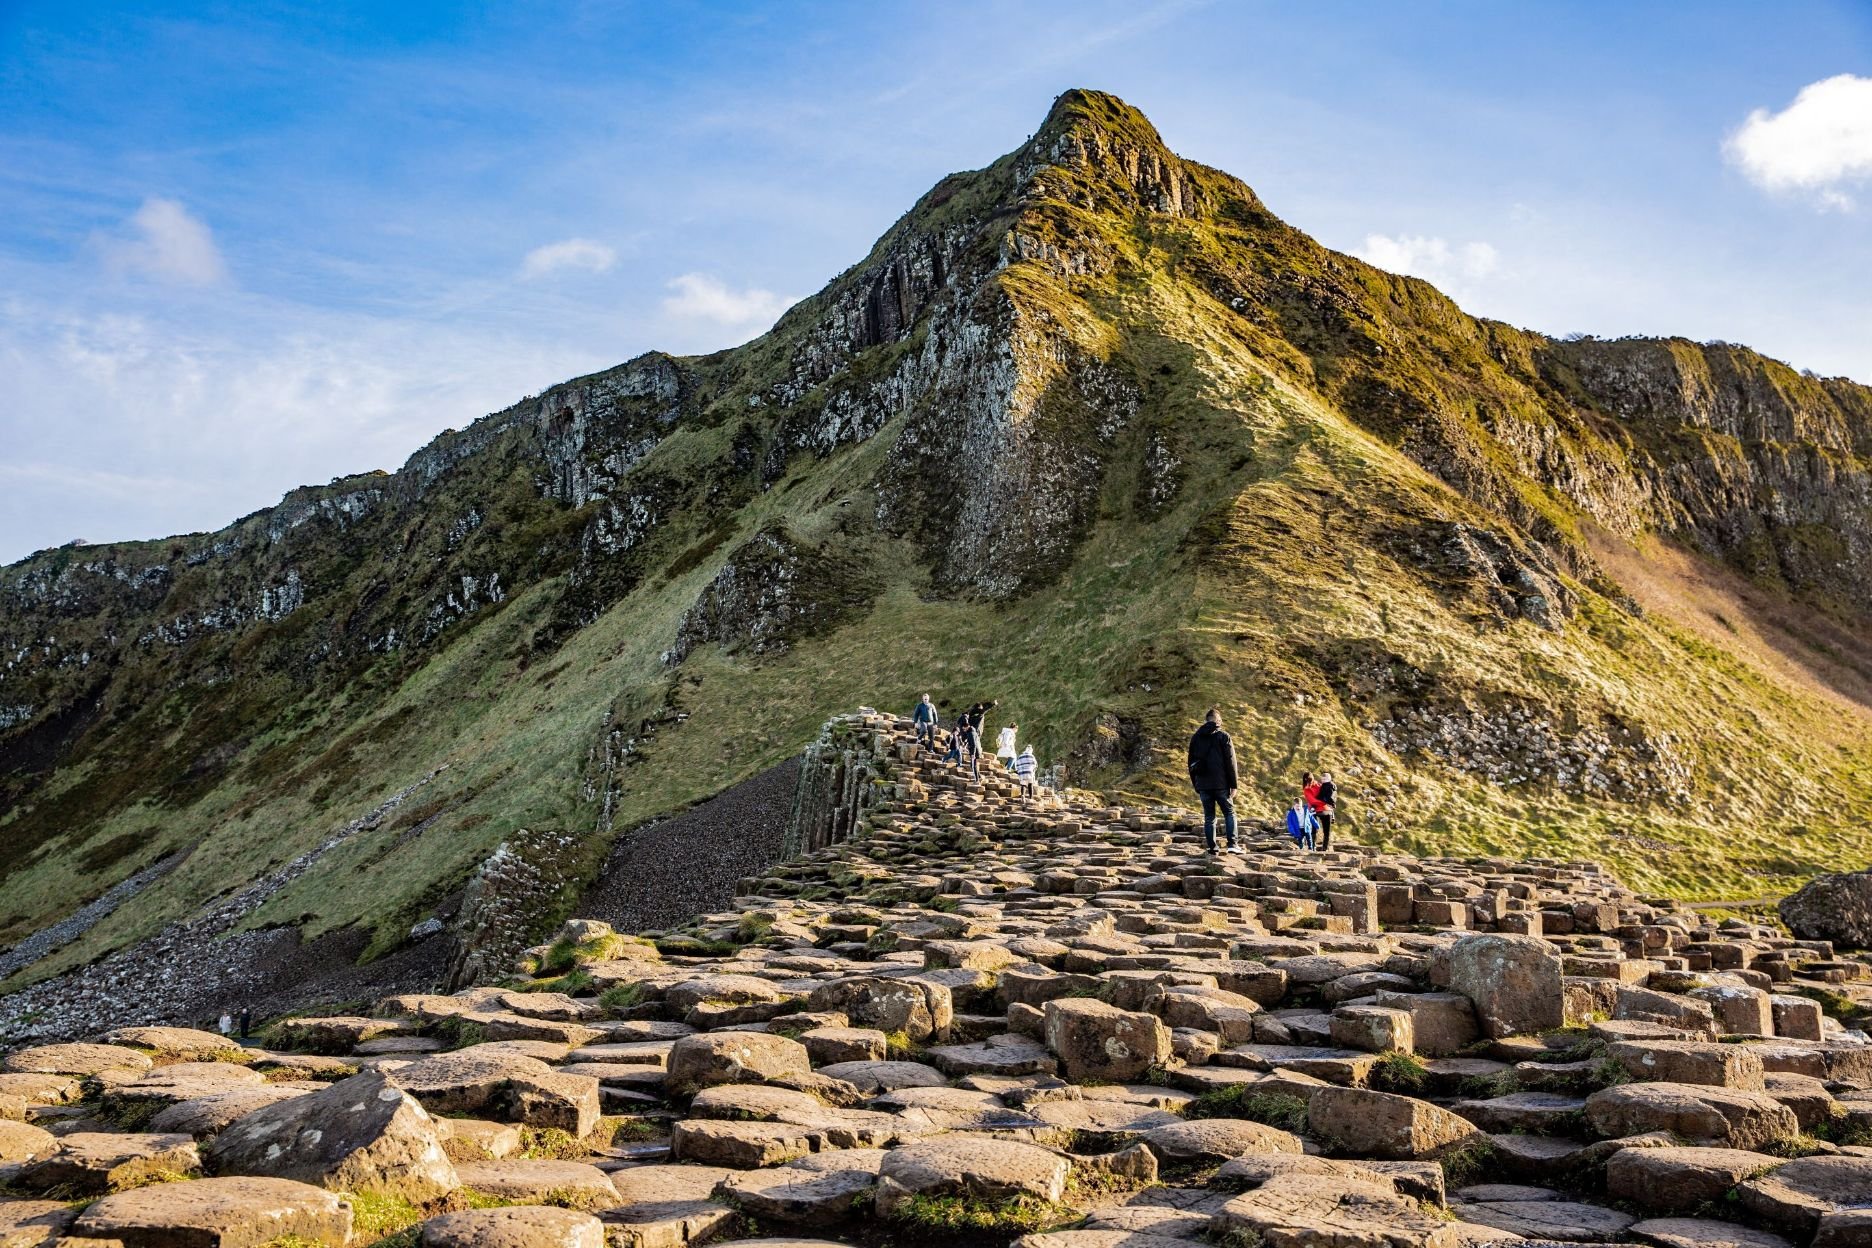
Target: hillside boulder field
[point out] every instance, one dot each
(506, 852)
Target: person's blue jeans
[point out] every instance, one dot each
(1211, 799)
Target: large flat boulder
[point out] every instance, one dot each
(1680, 1180)
(1690, 1061)
(89, 1163)
(1311, 1210)
(76, 1059)
(538, 1181)
(1361, 1123)
(518, 1226)
(973, 1167)
(362, 1134)
(218, 1213)
(1794, 1197)
(1721, 1117)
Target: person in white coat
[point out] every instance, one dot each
(1005, 749)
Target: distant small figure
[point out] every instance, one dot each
(1324, 808)
(1026, 770)
(978, 713)
(227, 1024)
(246, 1022)
(1212, 774)
(1005, 749)
(925, 721)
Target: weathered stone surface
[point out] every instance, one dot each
(1563, 1220)
(667, 1206)
(1680, 1180)
(1832, 907)
(918, 1009)
(1362, 1123)
(183, 1042)
(1793, 1197)
(1723, 1117)
(363, 1134)
(528, 1181)
(974, 1167)
(707, 1059)
(21, 1141)
(1306, 1211)
(218, 1213)
(1705, 1233)
(522, 1226)
(743, 1145)
(1514, 982)
(468, 1081)
(997, 1055)
(32, 1223)
(76, 1059)
(1690, 1061)
(206, 1115)
(1211, 1141)
(800, 1197)
(89, 1163)
(1099, 1041)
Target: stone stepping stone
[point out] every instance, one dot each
(218, 1213)
(207, 1115)
(874, 1077)
(183, 1042)
(1505, 1191)
(1721, 1117)
(667, 1206)
(741, 1145)
(1796, 1195)
(1563, 1220)
(1358, 1122)
(799, 1197)
(1704, 1233)
(977, 1168)
(21, 1141)
(476, 1139)
(75, 1059)
(1680, 1180)
(1009, 1055)
(1532, 1113)
(89, 1163)
(1333, 1209)
(31, 1223)
(520, 1226)
(529, 1181)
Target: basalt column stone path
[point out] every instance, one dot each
(983, 1019)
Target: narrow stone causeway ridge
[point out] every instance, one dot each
(965, 1017)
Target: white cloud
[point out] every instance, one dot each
(1819, 142)
(166, 242)
(572, 253)
(1432, 259)
(702, 297)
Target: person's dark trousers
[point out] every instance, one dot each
(1211, 799)
(1325, 831)
(926, 735)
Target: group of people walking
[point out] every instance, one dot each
(965, 742)
(1213, 775)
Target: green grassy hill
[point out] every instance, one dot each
(1089, 431)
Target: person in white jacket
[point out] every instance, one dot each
(1005, 749)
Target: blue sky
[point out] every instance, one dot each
(245, 247)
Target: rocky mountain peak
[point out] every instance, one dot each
(1112, 157)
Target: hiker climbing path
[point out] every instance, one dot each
(985, 1018)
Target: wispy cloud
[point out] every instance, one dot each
(580, 254)
(701, 297)
(162, 240)
(1818, 144)
(1432, 259)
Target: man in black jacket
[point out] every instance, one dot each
(1212, 772)
(1327, 796)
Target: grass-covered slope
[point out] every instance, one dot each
(1089, 431)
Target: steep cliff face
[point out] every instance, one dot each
(1088, 430)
